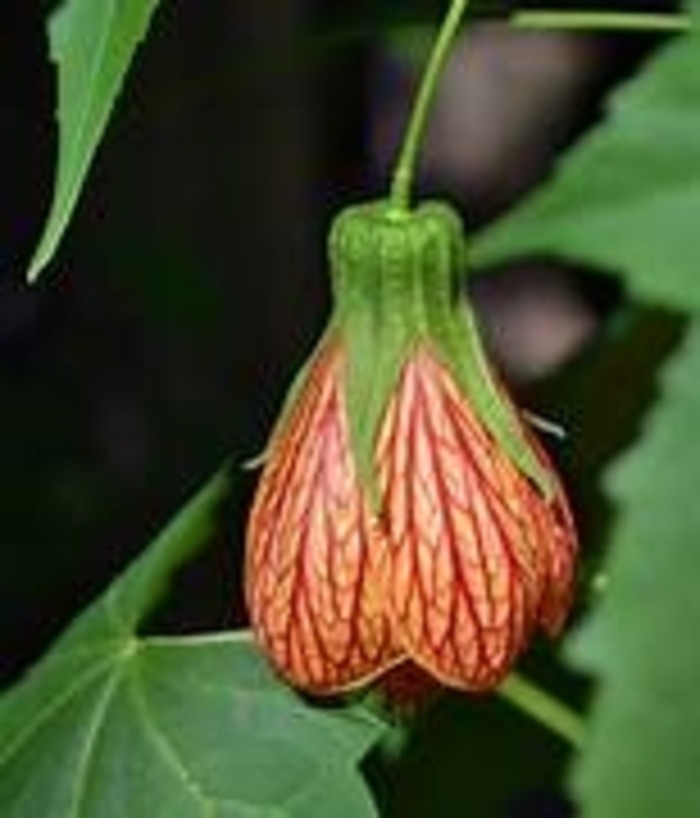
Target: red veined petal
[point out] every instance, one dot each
(317, 565)
(475, 549)
(558, 542)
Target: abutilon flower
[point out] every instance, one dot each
(406, 518)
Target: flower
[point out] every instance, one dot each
(317, 565)
(406, 519)
(478, 556)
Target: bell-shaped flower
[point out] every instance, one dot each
(406, 518)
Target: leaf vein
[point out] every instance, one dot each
(52, 706)
(166, 750)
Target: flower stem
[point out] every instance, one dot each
(544, 708)
(601, 20)
(404, 171)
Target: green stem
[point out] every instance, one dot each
(404, 172)
(544, 708)
(601, 20)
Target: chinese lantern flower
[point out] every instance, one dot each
(406, 518)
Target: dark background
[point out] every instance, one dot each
(191, 284)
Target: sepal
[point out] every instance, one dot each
(397, 283)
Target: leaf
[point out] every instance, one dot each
(92, 44)
(642, 754)
(627, 198)
(113, 724)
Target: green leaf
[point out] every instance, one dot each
(111, 724)
(627, 198)
(642, 753)
(92, 44)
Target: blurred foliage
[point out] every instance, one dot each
(643, 748)
(624, 200)
(600, 209)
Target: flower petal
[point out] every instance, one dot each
(472, 541)
(317, 564)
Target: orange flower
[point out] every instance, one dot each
(464, 559)
(455, 546)
(317, 560)
(478, 556)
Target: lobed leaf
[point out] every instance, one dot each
(112, 724)
(626, 198)
(642, 754)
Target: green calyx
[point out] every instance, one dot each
(397, 284)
